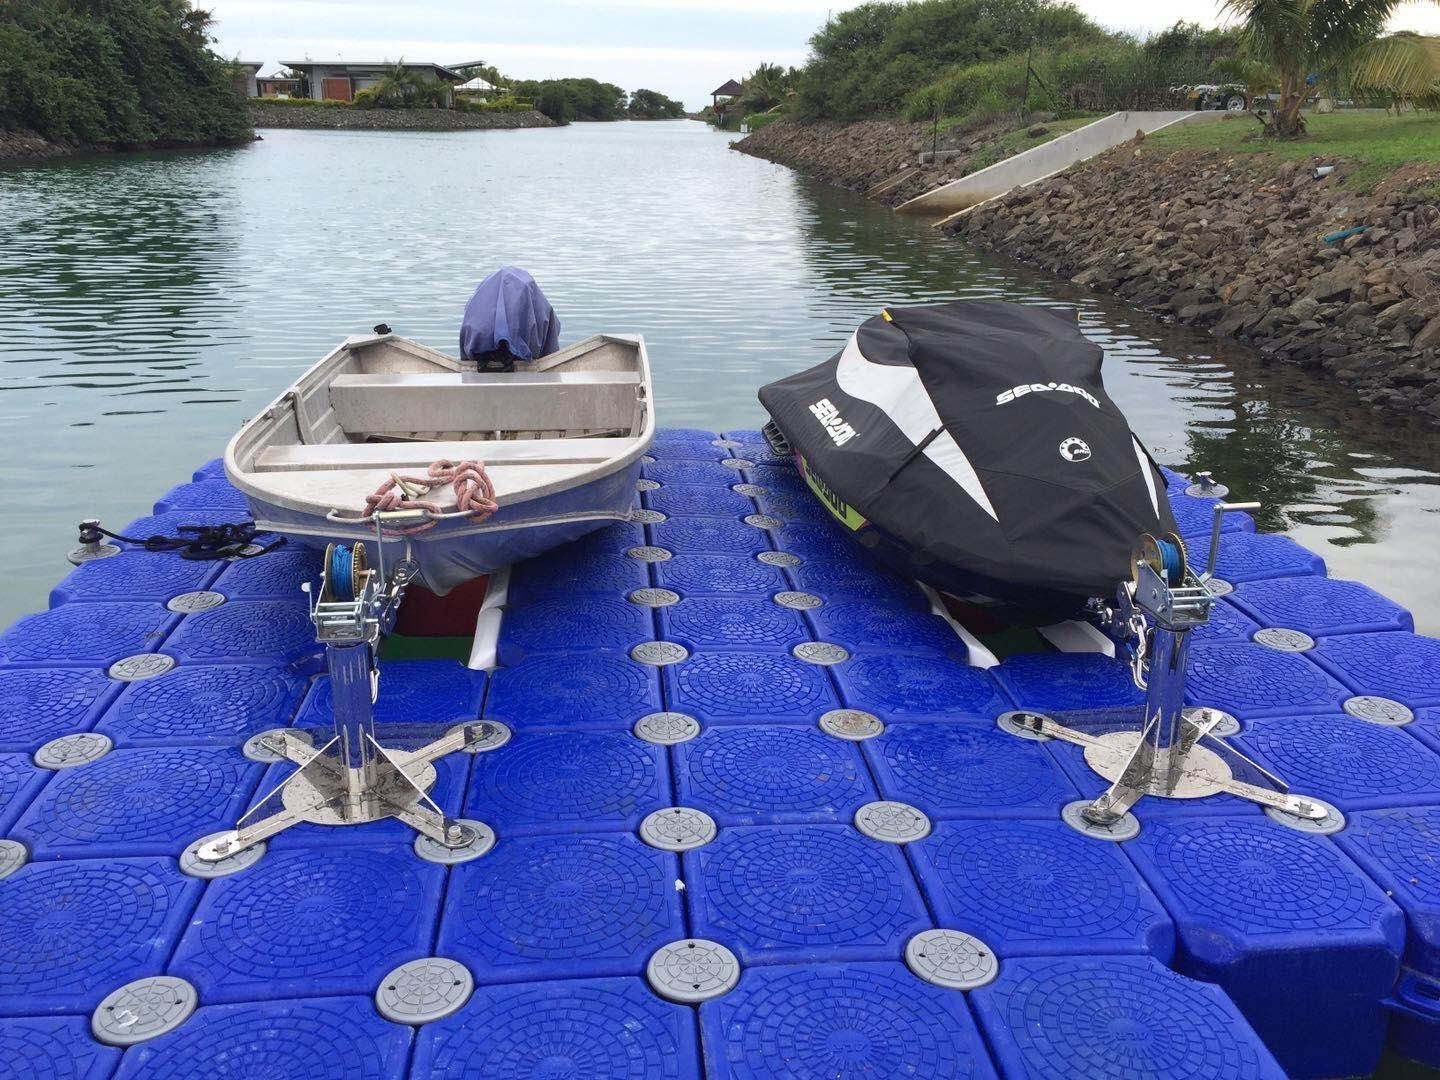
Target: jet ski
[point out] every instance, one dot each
(972, 445)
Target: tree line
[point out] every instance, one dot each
(116, 73)
(978, 59)
(564, 100)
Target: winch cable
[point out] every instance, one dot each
(231, 540)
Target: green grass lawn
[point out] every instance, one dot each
(1381, 143)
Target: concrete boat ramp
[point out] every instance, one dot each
(949, 201)
(754, 816)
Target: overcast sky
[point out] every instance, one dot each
(684, 48)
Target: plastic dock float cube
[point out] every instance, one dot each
(559, 573)
(698, 500)
(1247, 679)
(573, 624)
(1196, 519)
(1403, 667)
(214, 494)
(310, 921)
(149, 801)
(54, 1048)
(87, 635)
(708, 536)
(1303, 942)
(333, 1038)
(836, 581)
(743, 687)
(573, 690)
(719, 575)
(817, 1022)
(689, 472)
(1030, 888)
(712, 623)
(1057, 682)
(20, 782)
(767, 775)
(586, 1028)
(1320, 607)
(1102, 1017)
(562, 907)
(134, 576)
(898, 687)
(863, 627)
(442, 692)
(277, 575)
(1229, 623)
(75, 930)
(568, 781)
(1350, 763)
(40, 704)
(1249, 556)
(776, 895)
(204, 705)
(611, 540)
(246, 631)
(968, 770)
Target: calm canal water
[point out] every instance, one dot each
(149, 304)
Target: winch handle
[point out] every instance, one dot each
(1221, 509)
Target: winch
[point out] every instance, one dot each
(352, 779)
(1172, 753)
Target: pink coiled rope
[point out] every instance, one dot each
(474, 492)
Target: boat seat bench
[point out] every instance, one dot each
(417, 455)
(475, 401)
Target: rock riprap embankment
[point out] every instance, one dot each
(263, 115)
(1252, 248)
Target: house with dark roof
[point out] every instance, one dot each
(341, 80)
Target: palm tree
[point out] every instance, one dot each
(1403, 67)
(1302, 39)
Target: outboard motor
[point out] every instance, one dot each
(508, 319)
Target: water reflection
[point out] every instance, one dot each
(148, 304)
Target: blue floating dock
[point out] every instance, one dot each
(151, 801)
(709, 623)
(573, 690)
(698, 500)
(1097, 1018)
(1248, 680)
(767, 775)
(562, 907)
(849, 1020)
(277, 575)
(573, 624)
(1352, 764)
(591, 1027)
(709, 536)
(40, 704)
(863, 627)
(744, 687)
(568, 781)
(1405, 667)
(803, 894)
(75, 930)
(1321, 944)
(411, 692)
(1039, 887)
(309, 922)
(917, 687)
(134, 576)
(246, 631)
(279, 1040)
(204, 495)
(53, 1048)
(1258, 907)
(1056, 682)
(20, 781)
(87, 634)
(1321, 606)
(968, 770)
(719, 575)
(569, 574)
(221, 704)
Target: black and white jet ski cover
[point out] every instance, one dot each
(972, 445)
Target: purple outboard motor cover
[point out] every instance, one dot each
(508, 319)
